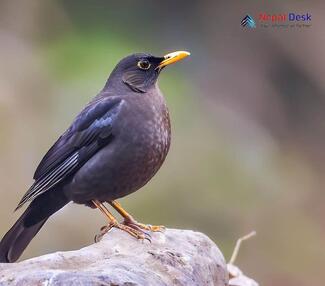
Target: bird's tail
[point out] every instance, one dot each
(28, 225)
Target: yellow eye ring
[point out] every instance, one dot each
(144, 65)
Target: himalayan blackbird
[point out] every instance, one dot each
(113, 147)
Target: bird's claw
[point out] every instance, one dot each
(133, 230)
(142, 226)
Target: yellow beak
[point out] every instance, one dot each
(173, 58)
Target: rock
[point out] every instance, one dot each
(237, 278)
(175, 257)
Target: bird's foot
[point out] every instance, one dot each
(131, 222)
(135, 232)
(140, 226)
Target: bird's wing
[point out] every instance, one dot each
(90, 131)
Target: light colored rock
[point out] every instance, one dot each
(237, 278)
(175, 257)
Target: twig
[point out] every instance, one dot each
(238, 244)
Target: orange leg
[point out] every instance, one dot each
(114, 223)
(130, 221)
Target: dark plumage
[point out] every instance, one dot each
(113, 148)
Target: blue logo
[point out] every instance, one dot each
(248, 22)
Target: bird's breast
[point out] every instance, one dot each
(157, 135)
(149, 133)
(141, 148)
(141, 141)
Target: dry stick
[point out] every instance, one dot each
(238, 244)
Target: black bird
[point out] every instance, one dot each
(113, 147)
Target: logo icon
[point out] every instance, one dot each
(248, 22)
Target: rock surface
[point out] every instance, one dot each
(237, 277)
(175, 257)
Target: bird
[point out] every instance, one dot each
(113, 147)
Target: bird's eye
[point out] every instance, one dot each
(144, 65)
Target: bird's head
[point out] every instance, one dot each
(140, 72)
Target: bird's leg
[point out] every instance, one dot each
(114, 223)
(131, 222)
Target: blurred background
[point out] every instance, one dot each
(248, 117)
